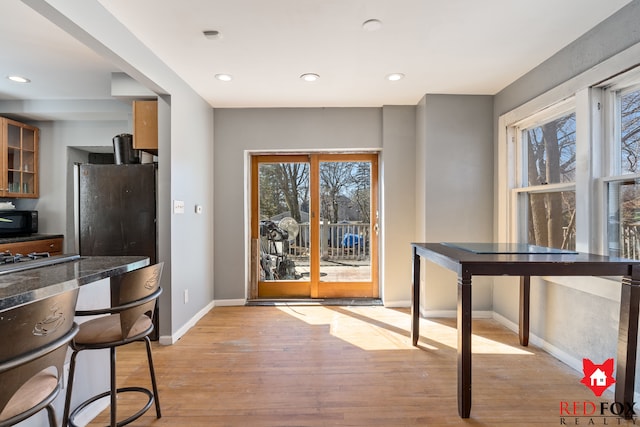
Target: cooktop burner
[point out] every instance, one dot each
(10, 263)
(8, 258)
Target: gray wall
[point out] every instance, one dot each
(454, 166)
(398, 177)
(185, 158)
(572, 324)
(612, 36)
(240, 131)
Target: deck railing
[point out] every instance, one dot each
(339, 241)
(630, 241)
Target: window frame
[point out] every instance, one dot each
(593, 137)
(613, 90)
(595, 157)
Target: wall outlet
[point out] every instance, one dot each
(186, 296)
(178, 207)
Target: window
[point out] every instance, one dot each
(569, 167)
(546, 195)
(623, 189)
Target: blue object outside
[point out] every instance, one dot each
(350, 240)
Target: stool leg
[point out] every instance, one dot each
(53, 422)
(114, 390)
(67, 401)
(152, 373)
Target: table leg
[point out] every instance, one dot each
(415, 300)
(464, 345)
(628, 339)
(525, 291)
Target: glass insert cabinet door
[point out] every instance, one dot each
(315, 226)
(20, 159)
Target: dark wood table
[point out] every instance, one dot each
(469, 260)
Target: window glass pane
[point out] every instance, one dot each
(552, 219)
(630, 132)
(624, 219)
(551, 151)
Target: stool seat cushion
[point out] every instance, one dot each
(107, 330)
(30, 394)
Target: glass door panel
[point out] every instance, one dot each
(21, 160)
(28, 160)
(14, 158)
(345, 221)
(283, 229)
(348, 226)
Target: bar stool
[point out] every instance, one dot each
(133, 301)
(35, 338)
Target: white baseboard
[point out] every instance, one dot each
(171, 339)
(476, 314)
(229, 302)
(535, 340)
(92, 411)
(397, 304)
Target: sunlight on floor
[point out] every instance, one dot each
(390, 329)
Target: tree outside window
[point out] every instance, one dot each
(624, 194)
(551, 159)
(630, 132)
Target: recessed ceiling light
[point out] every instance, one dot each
(224, 77)
(212, 34)
(372, 25)
(19, 79)
(394, 77)
(309, 77)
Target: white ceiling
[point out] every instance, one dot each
(442, 46)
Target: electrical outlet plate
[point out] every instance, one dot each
(178, 207)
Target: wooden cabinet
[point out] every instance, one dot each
(145, 125)
(19, 170)
(53, 246)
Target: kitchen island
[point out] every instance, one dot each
(37, 279)
(32, 284)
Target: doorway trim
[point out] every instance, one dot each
(313, 289)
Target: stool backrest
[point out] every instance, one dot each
(140, 289)
(34, 337)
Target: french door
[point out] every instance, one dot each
(314, 227)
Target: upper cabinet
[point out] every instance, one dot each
(145, 126)
(19, 171)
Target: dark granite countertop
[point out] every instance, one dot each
(18, 288)
(30, 238)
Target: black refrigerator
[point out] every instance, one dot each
(116, 209)
(116, 212)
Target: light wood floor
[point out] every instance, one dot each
(348, 366)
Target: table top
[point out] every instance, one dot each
(23, 287)
(519, 263)
(506, 248)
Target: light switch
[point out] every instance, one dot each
(178, 207)
(198, 209)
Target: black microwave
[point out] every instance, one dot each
(15, 222)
